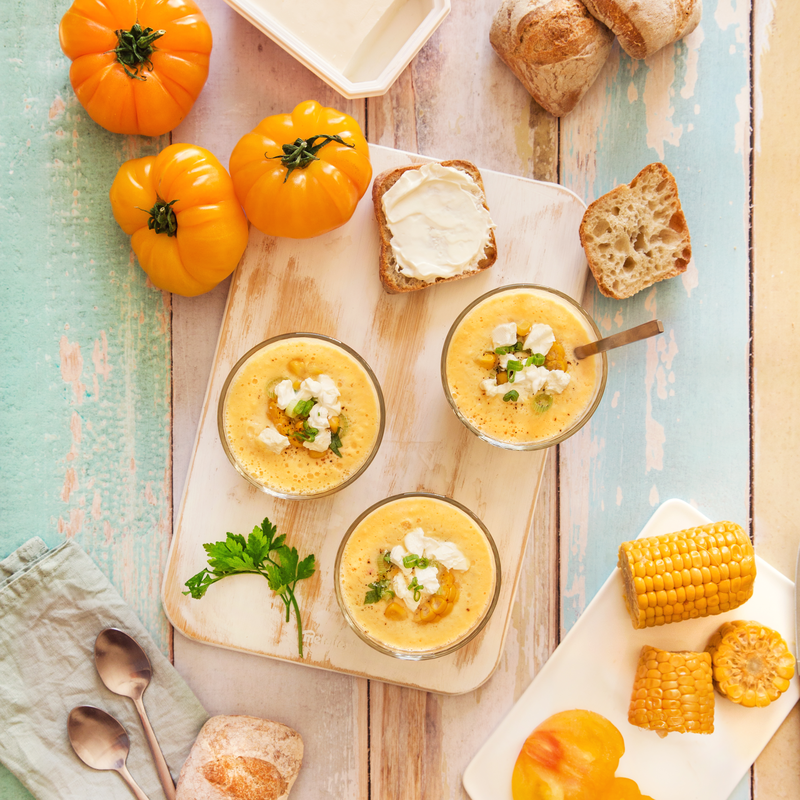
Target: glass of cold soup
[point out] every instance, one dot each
(509, 370)
(301, 415)
(417, 576)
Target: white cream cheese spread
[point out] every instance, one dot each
(439, 225)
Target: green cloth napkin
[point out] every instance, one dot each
(53, 603)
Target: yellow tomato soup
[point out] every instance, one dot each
(386, 527)
(520, 422)
(293, 471)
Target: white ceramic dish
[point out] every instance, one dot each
(383, 54)
(594, 667)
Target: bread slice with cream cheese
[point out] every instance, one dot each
(391, 272)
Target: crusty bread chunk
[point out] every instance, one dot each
(555, 47)
(643, 28)
(636, 234)
(394, 281)
(241, 758)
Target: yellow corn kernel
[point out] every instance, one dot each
(523, 329)
(297, 367)
(396, 611)
(556, 358)
(438, 604)
(672, 692)
(502, 377)
(751, 663)
(488, 360)
(334, 424)
(295, 385)
(316, 453)
(711, 569)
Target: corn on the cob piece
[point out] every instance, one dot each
(688, 574)
(673, 692)
(751, 663)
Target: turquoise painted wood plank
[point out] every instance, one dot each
(85, 363)
(675, 418)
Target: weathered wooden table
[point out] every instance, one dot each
(103, 376)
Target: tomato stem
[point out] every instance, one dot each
(162, 218)
(301, 152)
(134, 48)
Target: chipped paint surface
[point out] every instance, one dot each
(86, 356)
(686, 105)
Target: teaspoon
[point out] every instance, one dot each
(652, 328)
(125, 669)
(101, 742)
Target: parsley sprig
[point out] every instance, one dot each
(262, 553)
(377, 591)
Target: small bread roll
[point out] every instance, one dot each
(643, 28)
(241, 758)
(555, 47)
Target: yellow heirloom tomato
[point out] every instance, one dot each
(301, 174)
(137, 65)
(186, 225)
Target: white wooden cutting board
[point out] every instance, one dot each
(330, 285)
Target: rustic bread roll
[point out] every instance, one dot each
(636, 234)
(555, 47)
(393, 280)
(645, 27)
(241, 758)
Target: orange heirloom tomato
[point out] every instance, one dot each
(186, 225)
(301, 174)
(137, 65)
(572, 755)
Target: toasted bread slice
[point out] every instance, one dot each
(636, 234)
(392, 279)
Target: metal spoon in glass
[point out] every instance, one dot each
(101, 742)
(125, 669)
(636, 334)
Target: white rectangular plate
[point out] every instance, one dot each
(594, 667)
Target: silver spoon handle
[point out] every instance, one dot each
(126, 776)
(161, 763)
(645, 331)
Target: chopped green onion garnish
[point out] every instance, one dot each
(511, 397)
(538, 359)
(416, 588)
(542, 402)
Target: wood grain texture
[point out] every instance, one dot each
(284, 285)
(675, 419)
(85, 364)
(776, 292)
(250, 78)
(458, 100)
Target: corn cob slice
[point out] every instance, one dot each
(688, 574)
(752, 665)
(673, 692)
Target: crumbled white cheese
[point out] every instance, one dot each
(400, 585)
(532, 378)
(322, 441)
(322, 388)
(504, 335)
(397, 555)
(448, 555)
(275, 442)
(318, 417)
(428, 578)
(540, 339)
(489, 385)
(557, 381)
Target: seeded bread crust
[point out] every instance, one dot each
(394, 282)
(644, 28)
(636, 235)
(556, 48)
